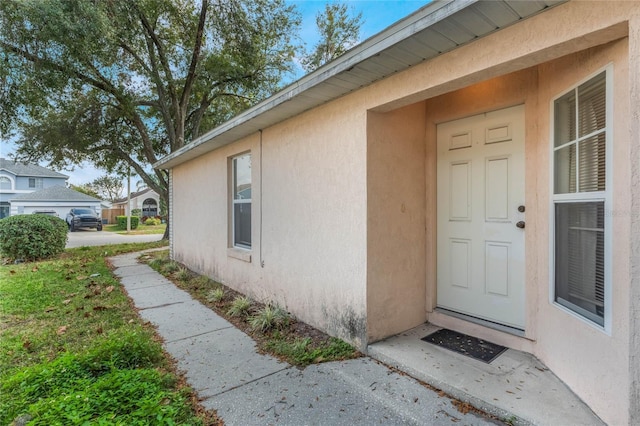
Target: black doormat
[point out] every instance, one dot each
(465, 345)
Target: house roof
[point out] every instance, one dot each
(437, 28)
(30, 170)
(55, 193)
(133, 195)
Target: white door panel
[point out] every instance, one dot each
(480, 187)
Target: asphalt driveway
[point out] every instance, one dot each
(91, 237)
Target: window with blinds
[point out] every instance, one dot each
(241, 201)
(580, 198)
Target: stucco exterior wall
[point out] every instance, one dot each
(576, 347)
(396, 218)
(337, 193)
(568, 345)
(308, 208)
(634, 256)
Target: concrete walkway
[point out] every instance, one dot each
(247, 388)
(514, 386)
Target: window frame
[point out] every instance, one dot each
(11, 183)
(233, 202)
(36, 181)
(588, 197)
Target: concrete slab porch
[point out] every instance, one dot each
(515, 386)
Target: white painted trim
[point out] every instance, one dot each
(13, 184)
(605, 196)
(233, 202)
(171, 221)
(239, 253)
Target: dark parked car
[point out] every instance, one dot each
(83, 218)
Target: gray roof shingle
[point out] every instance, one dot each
(55, 193)
(31, 170)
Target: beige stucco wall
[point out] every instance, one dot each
(396, 218)
(567, 344)
(336, 236)
(308, 231)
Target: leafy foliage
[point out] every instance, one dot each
(32, 236)
(152, 221)
(74, 351)
(240, 307)
(269, 318)
(288, 338)
(216, 295)
(114, 380)
(183, 274)
(85, 189)
(107, 187)
(302, 353)
(338, 33)
(121, 84)
(122, 222)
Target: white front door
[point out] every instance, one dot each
(481, 216)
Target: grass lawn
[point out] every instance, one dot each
(74, 351)
(141, 230)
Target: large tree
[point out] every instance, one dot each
(107, 187)
(338, 30)
(121, 83)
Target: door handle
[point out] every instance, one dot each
(520, 224)
(521, 209)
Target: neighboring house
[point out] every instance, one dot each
(147, 201)
(19, 178)
(475, 165)
(58, 199)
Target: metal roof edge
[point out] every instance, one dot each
(413, 23)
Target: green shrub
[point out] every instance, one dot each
(171, 267)
(151, 221)
(240, 306)
(183, 274)
(216, 295)
(32, 236)
(269, 318)
(122, 222)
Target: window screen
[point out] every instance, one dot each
(580, 185)
(241, 200)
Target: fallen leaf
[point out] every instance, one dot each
(110, 289)
(66, 302)
(26, 344)
(94, 275)
(35, 269)
(61, 330)
(99, 330)
(99, 308)
(81, 277)
(49, 309)
(12, 272)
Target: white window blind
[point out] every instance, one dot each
(580, 185)
(241, 201)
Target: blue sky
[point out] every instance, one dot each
(377, 15)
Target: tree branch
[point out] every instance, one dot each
(188, 84)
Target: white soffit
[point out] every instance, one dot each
(439, 27)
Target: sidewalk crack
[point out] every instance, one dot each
(249, 382)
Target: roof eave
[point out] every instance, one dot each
(265, 113)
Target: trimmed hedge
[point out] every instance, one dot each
(122, 222)
(32, 236)
(152, 221)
